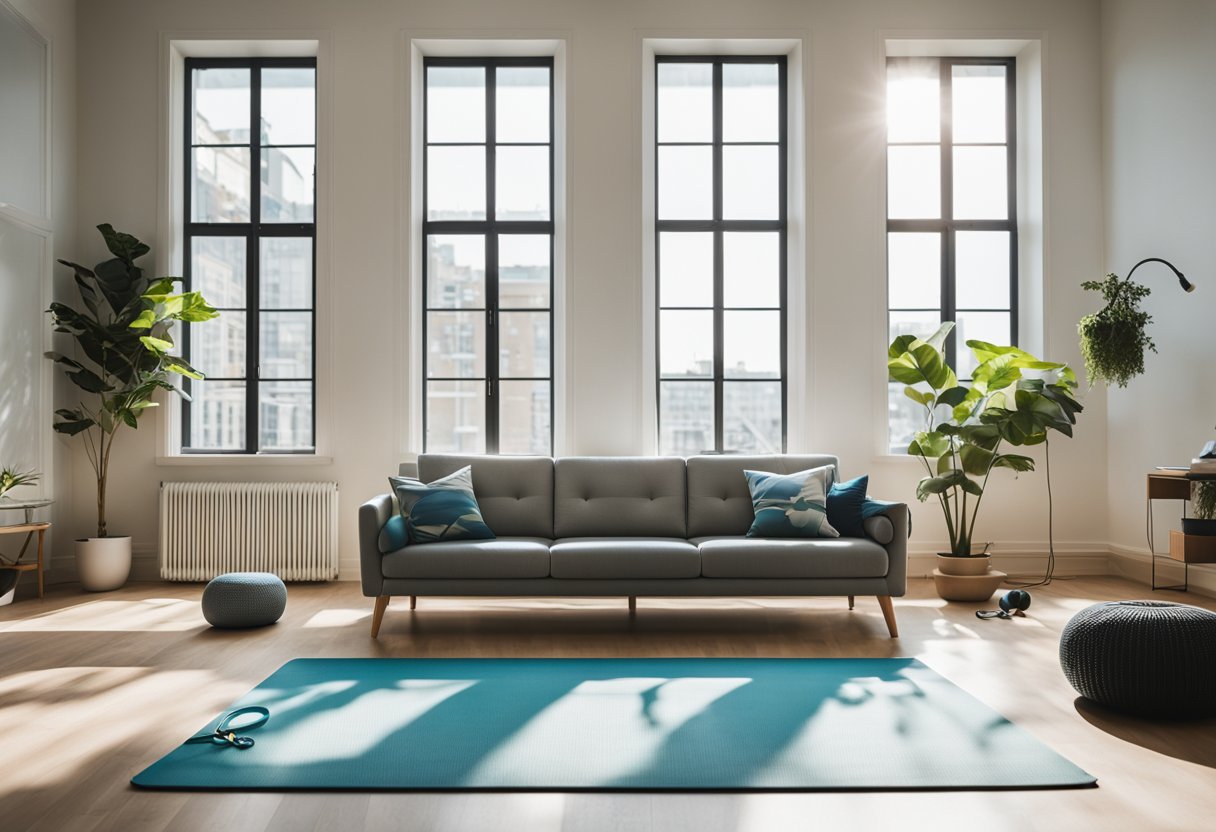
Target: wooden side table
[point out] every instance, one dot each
(1184, 548)
(29, 529)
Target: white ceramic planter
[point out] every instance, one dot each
(7, 598)
(966, 579)
(103, 563)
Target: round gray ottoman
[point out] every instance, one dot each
(244, 599)
(1148, 658)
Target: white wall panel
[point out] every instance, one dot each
(23, 115)
(366, 48)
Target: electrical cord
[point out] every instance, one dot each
(1049, 575)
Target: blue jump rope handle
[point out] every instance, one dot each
(223, 733)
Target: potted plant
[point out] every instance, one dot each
(123, 357)
(1114, 338)
(1203, 500)
(967, 429)
(11, 478)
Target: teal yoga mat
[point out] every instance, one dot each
(617, 724)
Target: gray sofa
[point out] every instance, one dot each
(627, 527)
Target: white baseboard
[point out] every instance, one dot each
(1134, 564)
(348, 569)
(1025, 559)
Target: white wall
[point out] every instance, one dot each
(1159, 119)
(37, 218)
(843, 46)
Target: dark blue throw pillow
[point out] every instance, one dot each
(845, 503)
(848, 505)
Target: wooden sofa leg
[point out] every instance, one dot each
(850, 602)
(888, 613)
(378, 614)
(413, 602)
(633, 605)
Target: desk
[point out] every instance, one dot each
(1184, 548)
(29, 529)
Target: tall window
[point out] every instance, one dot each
(951, 210)
(249, 248)
(720, 240)
(487, 268)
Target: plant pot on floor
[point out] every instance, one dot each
(966, 578)
(103, 563)
(8, 586)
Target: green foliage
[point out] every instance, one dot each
(1203, 499)
(1113, 339)
(123, 348)
(11, 478)
(966, 426)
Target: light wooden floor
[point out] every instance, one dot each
(94, 687)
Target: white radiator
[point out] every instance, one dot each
(288, 528)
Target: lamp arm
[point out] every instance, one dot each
(1186, 285)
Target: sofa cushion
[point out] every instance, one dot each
(610, 496)
(624, 557)
(750, 557)
(515, 492)
(504, 557)
(719, 502)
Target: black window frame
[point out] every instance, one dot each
(489, 228)
(946, 225)
(254, 232)
(718, 226)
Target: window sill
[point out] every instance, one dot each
(894, 459)
(242, 460)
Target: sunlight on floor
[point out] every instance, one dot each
(946, 629)
(52, 733)
(155, 615)
(337, 618)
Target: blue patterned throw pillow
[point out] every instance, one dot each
(445, 509)
(790, 505)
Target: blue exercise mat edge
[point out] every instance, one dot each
(151, 777)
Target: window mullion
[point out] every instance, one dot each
(783, 273)
(719, 291)
(253, 317)
(491, 249)
(947, 208)
(1011, 190)
(187, 241)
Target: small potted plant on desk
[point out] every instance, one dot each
(123, 345)
(11, 478)
(1203, 500)
(966, 431)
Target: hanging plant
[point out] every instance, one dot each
(1113, 339)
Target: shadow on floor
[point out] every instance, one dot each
(1192, 740)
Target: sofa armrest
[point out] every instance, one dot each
(897, 549)
(372, 516)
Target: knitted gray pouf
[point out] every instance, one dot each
(1148, 658)
(244, 599)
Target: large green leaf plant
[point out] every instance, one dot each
(123, 348)
(969, 426)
